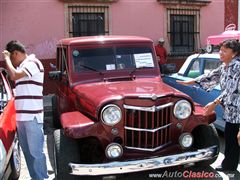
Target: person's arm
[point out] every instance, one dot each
(13, 73)
(230, 90)
(205, 81)
(185, 83)
(165, 54)
(210, 107)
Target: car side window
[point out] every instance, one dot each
(62, 63)
(210, 65)
(3, 95)
(194, 70)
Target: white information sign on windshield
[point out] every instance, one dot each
(110, 67)
(143, 60)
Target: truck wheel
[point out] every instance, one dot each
(206, 136)
(65, 150)
(55, 112)
(15, 161)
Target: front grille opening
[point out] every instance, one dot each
(139, 139)
(147, 130)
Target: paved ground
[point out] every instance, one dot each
(24, 172)
(48, 129)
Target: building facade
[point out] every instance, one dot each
(184, 24)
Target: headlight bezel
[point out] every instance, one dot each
(107, 107)
(182, 140)
(184, 103)
(113, 146)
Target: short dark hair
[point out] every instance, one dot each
(231, 44)
(15, 45)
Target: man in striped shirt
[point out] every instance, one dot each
(28, 73)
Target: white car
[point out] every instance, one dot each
(194, 66)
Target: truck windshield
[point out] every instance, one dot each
(107, 59)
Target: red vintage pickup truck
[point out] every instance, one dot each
(116, 115)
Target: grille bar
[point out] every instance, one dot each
(150, 109)
(147, 130)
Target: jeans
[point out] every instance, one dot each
(31, 139)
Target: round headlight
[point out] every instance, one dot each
(114, 150)
(186, 140)
(111, 114)
(182, 109)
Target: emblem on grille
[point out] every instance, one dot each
(154, 97)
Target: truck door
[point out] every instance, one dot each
(64, 89)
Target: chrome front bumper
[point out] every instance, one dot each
(145, 164)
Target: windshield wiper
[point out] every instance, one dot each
(90, 68)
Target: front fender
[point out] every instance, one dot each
(199, 111)
(75, 124)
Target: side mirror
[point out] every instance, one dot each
(55, 75)
(168, 68)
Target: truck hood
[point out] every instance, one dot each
(102, 92)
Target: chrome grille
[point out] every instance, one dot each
(147, 128)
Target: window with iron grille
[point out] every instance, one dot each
(183, 31)
(88, 20)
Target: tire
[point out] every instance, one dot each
(15, 161)
(65, 150)
(209, 48)
(206, 136)
(55, 112)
